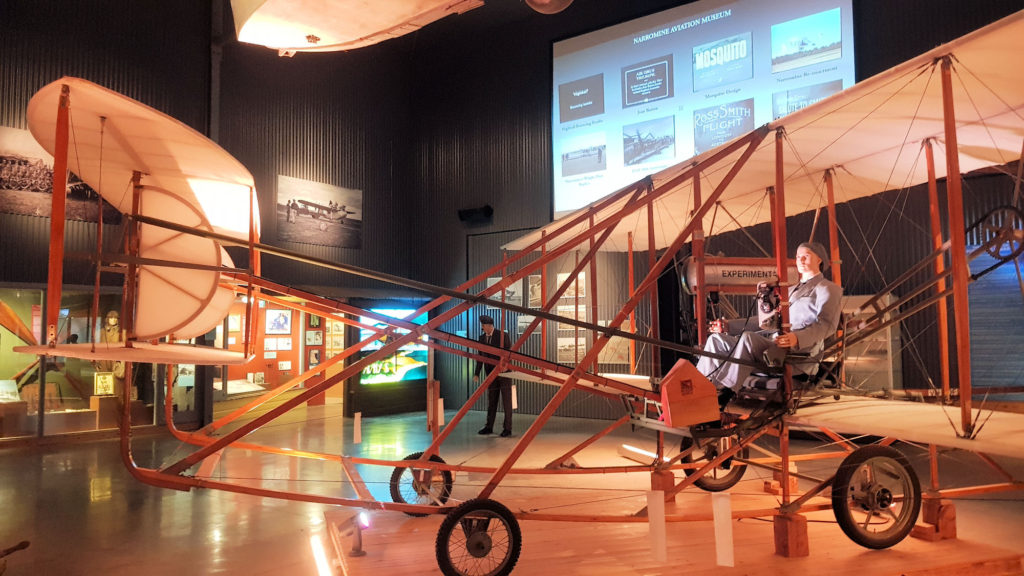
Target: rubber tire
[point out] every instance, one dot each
(396, 479)
(709, 484)
(494, 511)
(841, 495)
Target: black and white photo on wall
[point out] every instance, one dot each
(26, 182)
(579, 287)
(316, 213)
(534, 292)
(513, 292)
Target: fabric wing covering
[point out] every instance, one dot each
(870, 134)
(186, 179)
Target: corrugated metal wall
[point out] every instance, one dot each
(339, 119)
(156, 53)
(25, 245)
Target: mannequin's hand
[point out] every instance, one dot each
(787, 340)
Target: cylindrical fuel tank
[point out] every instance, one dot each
(725, 274)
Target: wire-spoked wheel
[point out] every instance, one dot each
(721, 477)
(480, 537)
(876, 496)
(414, 485)
(1003, 230)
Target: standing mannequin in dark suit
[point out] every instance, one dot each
(498, 339)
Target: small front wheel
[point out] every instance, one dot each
(480, 537)
(412, 485)
(876, 496)
(722, 477)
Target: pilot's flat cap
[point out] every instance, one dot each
(819, 251)
(485, 319)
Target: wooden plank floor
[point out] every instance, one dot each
(397, 544)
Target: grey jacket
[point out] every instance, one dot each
(814, 309)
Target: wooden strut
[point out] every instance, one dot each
(58, 203)
(698, 260)
(781, 267)
(940, 270)
(958, 251)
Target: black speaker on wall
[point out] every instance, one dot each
(476, 216)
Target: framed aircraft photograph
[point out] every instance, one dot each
(570, 349)
(513, 292)
(317, 213)
(577, 287)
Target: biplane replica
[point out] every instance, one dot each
(180, 194)
(321, 212)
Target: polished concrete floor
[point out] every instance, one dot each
(85, 515)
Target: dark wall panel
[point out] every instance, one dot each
(339, 119)
(157, 53)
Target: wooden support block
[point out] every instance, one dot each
(938, 520)
(662, 480)
(791, 535)
(775, 486)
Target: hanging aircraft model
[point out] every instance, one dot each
(180, 193)
(291, 26)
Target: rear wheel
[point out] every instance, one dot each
(480, 537)
(412, 485)
(876, 496)
(723, 476)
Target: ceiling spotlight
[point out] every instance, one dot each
(548, 6)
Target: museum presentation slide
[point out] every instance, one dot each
(632, 99)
